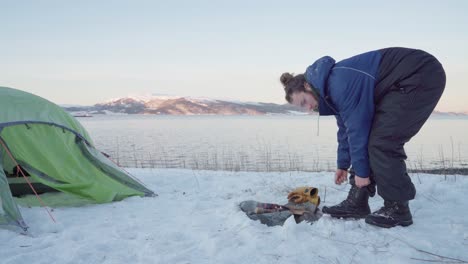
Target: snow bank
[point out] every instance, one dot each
(195, 219)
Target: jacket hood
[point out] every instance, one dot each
(317, 75)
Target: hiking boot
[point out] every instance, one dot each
(391, 214)
(356, 204)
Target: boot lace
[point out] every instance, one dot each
(350, 199)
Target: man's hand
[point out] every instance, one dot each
(361, 182)
(341, 176)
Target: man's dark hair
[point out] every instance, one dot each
(292, 84)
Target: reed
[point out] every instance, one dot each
(264, 158)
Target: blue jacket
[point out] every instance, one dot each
(346, 91)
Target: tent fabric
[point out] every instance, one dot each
(56, 151)
(9, 212)
(19, 106)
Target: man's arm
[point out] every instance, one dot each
(358, 122)
(343, 159)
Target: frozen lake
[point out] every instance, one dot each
(260, 143)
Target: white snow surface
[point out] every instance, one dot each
(196, 219)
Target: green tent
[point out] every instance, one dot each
(51, 146)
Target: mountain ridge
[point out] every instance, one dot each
(185, 105)
(180, 105)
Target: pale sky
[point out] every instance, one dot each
(88, 51)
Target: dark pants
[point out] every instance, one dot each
(399, 115)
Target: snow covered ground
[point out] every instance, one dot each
(195, 219)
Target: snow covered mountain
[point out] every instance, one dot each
(179, 105)
(174, 105)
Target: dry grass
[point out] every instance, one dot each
(262, 158)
